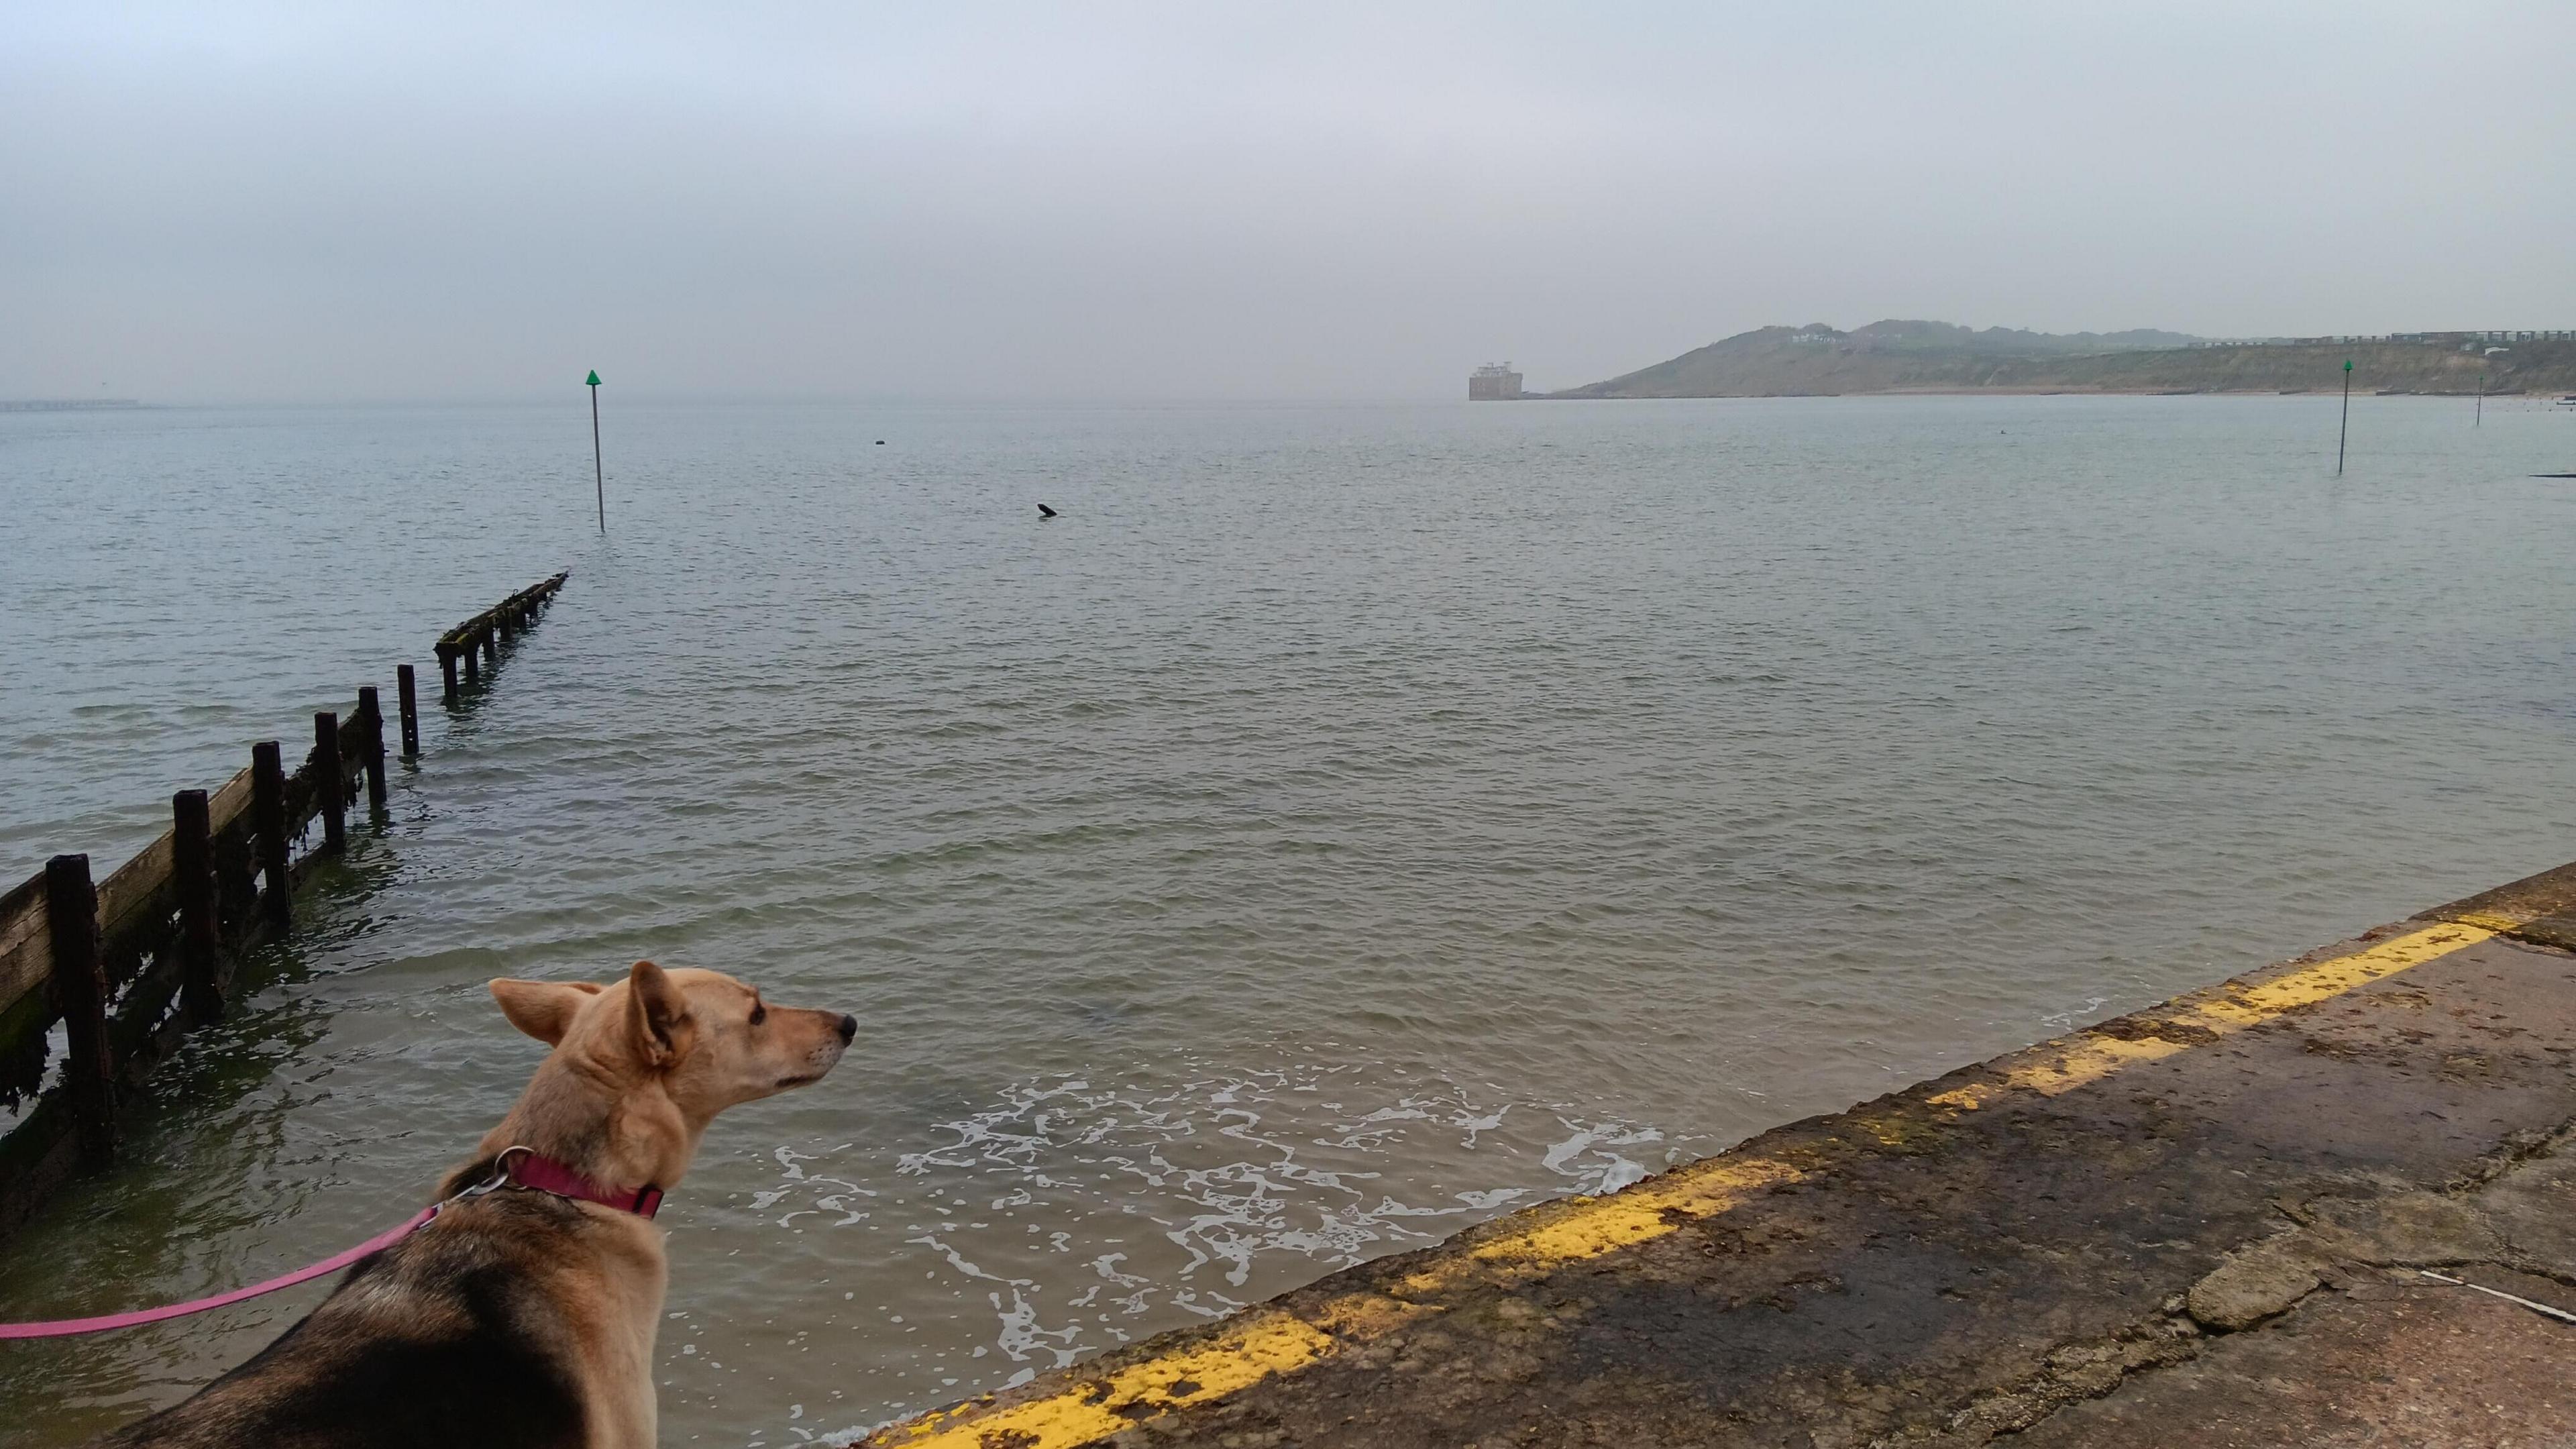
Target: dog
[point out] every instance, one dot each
(523, 1315)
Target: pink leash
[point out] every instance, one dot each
(66, 1327)
(515, 1167)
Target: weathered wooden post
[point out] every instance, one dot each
(447, 671)
(473, 660)
(268, 824)
(491, 644)
(407, 694)
(330, 782)
(236, 881)
(192, 879)
(372, 749)
(80, 989)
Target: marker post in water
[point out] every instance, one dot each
(2481, 420)
(2339, 432)
(599, 474)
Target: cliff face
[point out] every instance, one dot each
(1937, 357)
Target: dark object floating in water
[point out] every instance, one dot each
(2554, 475)
(880, 442)
(1045, 512)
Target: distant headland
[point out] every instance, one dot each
(1940, 357)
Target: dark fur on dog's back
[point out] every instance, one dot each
(449, 1337)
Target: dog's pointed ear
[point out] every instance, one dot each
(542, 1009)
(660, 1013)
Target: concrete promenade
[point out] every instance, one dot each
(2202, 1224)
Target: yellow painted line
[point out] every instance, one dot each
(1263, 1344)
(2333, 978)
(1648, 1210)
(1273, 1341)
(2089, 1056)
(2061, 1069)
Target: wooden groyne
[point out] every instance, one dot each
(128, 964)
(478, 640)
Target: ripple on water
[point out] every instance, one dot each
(1077, 1212)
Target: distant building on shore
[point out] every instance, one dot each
(1493, 382)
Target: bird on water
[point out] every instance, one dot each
(1045, 512)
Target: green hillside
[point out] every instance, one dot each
(1903, 356)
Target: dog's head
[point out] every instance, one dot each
(706, 1040)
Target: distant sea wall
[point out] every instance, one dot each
(66, 404)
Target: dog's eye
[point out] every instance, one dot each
(759, 1013)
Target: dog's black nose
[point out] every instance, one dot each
(849, 1029)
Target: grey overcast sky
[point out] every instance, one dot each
(1092, 201)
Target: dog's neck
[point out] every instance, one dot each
(619, 1128)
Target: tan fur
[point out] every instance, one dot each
(559, 1297)
(638, 1071)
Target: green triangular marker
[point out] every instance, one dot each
(594, 378)
(2347, 366)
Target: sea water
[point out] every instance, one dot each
(1338, 826)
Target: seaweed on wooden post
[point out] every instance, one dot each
(407, 693)
(80, 991)
(372, 748)
(268, 824)
(192, 880)
(330, 782)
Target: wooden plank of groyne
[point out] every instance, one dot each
(229, 802)
(134, 902)
(125, 899)
(23, 1045)
(26, 952)
(130, 887)
(26, 956)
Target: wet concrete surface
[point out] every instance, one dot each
(2371, 1361)
(2199, 1223)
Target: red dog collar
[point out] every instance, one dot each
(524, 1167)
